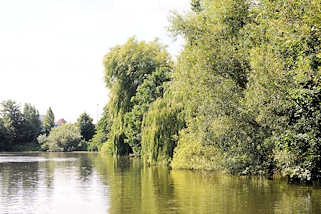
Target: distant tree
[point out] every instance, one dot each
(18, 130)
(87, 128)
(65, 138)
(42, 140)
(12, 121)
(49, 121)
(3, 135)
(102, 129)
(31, 124)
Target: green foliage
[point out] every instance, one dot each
(12, 121)
(190, 153)
(107, 147)
(293, 48)
(18, 131)
(196, 5)
(87, 128)
(160, 129)
(152, 88)
(49, 121)
(298, 149)
(211, 76)
(42, 140)
(249, 76)
(32, 124)
(102, 129)
(126, 69)
(12, 124)
(243, 97)
(3, 136)
(65, 138)
(98, 140)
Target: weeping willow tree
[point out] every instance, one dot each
(130, 69)
(160, 130)
(152, 88)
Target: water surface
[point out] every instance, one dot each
(79, 183)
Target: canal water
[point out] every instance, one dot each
(58, 183)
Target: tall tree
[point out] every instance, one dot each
(32, 123)
(126, 68)
(209, 80)
(249, 81)
(18, 130)
(152, 88)
(49, 121)
(12, 121)
(291, 58)
(3, 136)
(160, 129)
(87, 128)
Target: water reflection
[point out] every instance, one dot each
(95, 183)
(138, 189)
(17, 180)
(85, 166)
(50, 183)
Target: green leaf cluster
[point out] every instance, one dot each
(160, 130)
(49, 121)
(249, 76)
(86, 126)
(152, 88)
(102, 129)
(134, 73)
(18, 129)
(65, 138)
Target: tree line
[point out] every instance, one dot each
(24, 131)
(18, 129)
(243, 96)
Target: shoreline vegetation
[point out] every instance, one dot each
(243, 97)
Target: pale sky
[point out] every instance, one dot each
(51, 51)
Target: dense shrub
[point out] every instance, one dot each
(65, 138)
